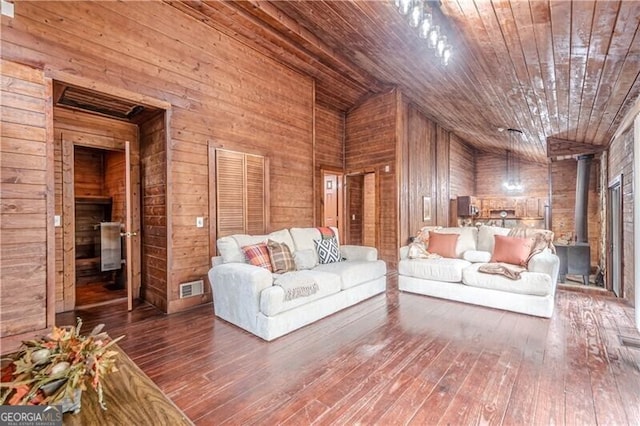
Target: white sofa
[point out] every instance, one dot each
(245, 295)
(459, 279)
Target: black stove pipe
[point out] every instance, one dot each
(582, 198)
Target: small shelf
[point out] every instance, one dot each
(91, 199)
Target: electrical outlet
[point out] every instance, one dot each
(57, 221)
(199, 222)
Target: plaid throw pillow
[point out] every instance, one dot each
(281, 258)
(258, 255)
(328, 250)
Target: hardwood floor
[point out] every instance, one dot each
(397, 358)
(99, 293)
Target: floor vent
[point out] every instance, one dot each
(192, 288)
(630, 342)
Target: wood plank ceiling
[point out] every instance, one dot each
(566, 70)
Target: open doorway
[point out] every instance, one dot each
(615, 235)
(110, 187)
(361, 206)
(100, 198)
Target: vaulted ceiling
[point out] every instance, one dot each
(567, 70)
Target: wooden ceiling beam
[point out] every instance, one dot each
(562, 147)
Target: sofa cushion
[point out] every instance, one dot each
(282, 236)
(258, 255)
(303, 237)
(230, 250)
(328, 250)
(477, 256)
(281, 257)
(467, 240)
(355, 272)
(486, 238)
(305, 259)
(533, 283)
(272, 299)
(448, 270)
(230, 247)
(512, 250)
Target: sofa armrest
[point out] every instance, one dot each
(359, 253)
(545, 262)
(236, 292)
(217, 260)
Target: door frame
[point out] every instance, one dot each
(346, 213)
(69, 218)
(615, 183)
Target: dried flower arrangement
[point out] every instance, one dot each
(54, 369)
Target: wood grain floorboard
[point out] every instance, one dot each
(395, 359)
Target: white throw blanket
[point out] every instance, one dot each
(296, 285)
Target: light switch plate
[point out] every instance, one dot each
(7, 9)
(199, 222)
(57, 221)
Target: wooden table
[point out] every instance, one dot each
(131, 398)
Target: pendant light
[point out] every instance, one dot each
(420, 16)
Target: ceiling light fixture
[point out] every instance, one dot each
(512, 182)
(421, 16)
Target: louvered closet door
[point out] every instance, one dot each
(240, 193)
(255, 203)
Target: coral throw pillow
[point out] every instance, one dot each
(258, 255)
(512, 250)
(443, 244)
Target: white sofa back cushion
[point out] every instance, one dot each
(467, 239)
(230, 247)
(303, 239)
(230, 250)
(486, 237)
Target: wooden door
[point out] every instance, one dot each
(332, 200)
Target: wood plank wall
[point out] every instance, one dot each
(441, 195)
(329, 147)
(88, 171)
(219, 90)
(491, 173)
(114, 183)
(563, 201)
(462, 168)
(370, 145)
(620, 161)
(26, 194)
(93, 133)
(153, 192)
(420, 175)
(462, 174)
(432, 158)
